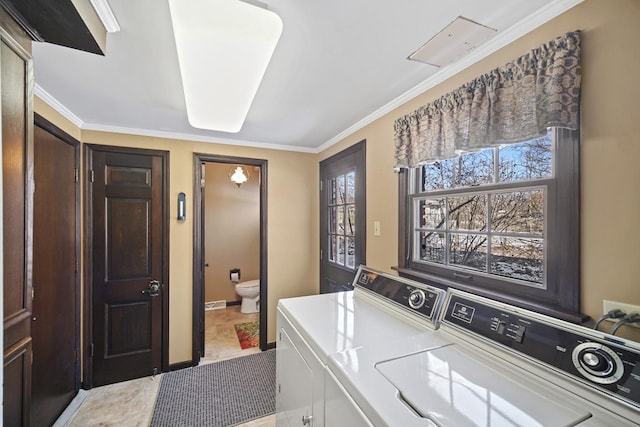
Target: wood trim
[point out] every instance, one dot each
(88, 267)
(198, 248)
(271, 345)
(49, 127)
(21, 21)
(180, 365)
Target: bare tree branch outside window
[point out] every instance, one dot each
(498, 231)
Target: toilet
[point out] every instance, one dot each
(250, 293)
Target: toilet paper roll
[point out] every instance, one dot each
(235, 277)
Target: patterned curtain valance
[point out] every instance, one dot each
(513, 103)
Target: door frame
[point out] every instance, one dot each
(87, 329)
(198, 248)
(49, 127)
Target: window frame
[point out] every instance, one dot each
(561, 296)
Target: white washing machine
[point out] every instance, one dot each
(499, 366)
(382, 310)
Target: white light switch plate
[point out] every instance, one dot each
(376, 228)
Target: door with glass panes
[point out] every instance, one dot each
(342, 218)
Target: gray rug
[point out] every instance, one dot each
(221, 394)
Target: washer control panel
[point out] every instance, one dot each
(415, 297)
(607, 363)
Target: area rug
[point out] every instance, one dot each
(219, 394)
(248, 334)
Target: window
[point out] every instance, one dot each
(342, 220)
(503, 222)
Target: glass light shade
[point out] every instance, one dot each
(239, 176)
(224, 47)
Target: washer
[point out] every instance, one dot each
(380, 311)
(501, 366)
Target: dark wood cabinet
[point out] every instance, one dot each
(16, 97)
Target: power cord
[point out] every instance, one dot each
(629, 318)
(616, 313)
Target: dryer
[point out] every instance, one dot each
(500, 366)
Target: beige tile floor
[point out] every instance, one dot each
(130, 403)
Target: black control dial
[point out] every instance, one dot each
(416, 299)
(597, 363)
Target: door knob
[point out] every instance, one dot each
(153, 290)
(306, 419)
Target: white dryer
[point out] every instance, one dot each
(502, 366)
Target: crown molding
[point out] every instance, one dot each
(193, 137)
(57, 105)
(105, 13)
(502, 39)
(69, 115)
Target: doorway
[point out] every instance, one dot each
(343, 216)
(127, 256)
(229, 249)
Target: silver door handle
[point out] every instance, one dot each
(153, 290)
(306, 419)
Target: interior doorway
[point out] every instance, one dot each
(229, 256)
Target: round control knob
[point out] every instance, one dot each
(416, 299)
(597, 362)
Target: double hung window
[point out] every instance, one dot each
(500, 221)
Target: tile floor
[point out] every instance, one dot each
(130, 403)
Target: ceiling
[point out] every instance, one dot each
(338, 66)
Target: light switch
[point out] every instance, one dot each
(376, 228)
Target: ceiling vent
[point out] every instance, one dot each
(455, 41)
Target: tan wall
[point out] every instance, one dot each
(610, 150)
(292, 222)
(610, 175)
(232, 230)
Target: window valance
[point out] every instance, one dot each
(512, 103)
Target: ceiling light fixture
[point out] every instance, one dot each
(224, 47)
(239, 175)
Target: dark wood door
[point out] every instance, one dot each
(342, 218)
(128, 238)
(17, 196)
(55, 326)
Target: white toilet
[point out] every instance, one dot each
(250, 293)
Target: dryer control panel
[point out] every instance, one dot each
(608, 363)
(414, 297)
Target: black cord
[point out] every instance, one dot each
(629, 318)
(616, 313)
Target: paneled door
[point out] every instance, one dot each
(55, 325)
(16, 111)
(342, 218)
(129, 263)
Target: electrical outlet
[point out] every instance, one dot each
(607, 306)
(376, 228)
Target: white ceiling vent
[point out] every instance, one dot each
(455, 41)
